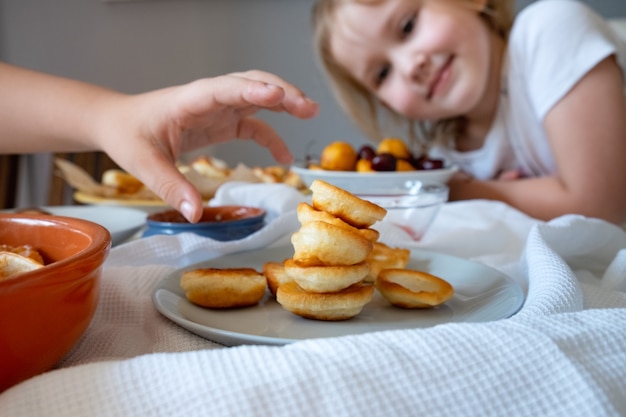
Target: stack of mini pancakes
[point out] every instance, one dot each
(325, 279)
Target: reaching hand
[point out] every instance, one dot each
(174, 120)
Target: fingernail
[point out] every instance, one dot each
(186, 208)
(271, 86)
(310, 103)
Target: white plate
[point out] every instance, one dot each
(147, 206)
(481, 294)
(359, 182)
(121, 222)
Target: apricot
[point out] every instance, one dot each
(404, 165)
(364, 165)
(394, 146)
(339, 156)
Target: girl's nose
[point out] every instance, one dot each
(414, 67)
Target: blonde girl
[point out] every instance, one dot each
(531, 109)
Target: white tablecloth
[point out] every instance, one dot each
(563, 354)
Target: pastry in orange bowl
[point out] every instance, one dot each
(12, 264)
(46, 301)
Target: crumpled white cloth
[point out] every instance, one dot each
(563, 354)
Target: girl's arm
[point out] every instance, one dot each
(145, 133)
(41, 112)
(587, 132)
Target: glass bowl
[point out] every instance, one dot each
(412, 205)
(363, 182)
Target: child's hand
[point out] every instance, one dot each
(171, 121)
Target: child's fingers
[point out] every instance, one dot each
(264, 135)
(238, 92)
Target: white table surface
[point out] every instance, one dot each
(563, 354)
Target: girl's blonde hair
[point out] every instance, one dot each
(361, 105)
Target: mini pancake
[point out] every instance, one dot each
(322, 279)
(25, 250)
(307, 213)
(413, 289)
(348, 207)
(342, 305)
(223, 288)
(12, 264)
(383, 256)
(275, 275)
(321, 243)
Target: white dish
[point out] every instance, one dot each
(147, 206)
(121, 222)
(360, 182)
(481, 294)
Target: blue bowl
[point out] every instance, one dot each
(219, 223)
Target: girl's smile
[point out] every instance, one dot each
(441, 79)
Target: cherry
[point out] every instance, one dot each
(415, 161)
(427, 163)
(384, 162)
(366, 152)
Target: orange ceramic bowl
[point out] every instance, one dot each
(44, 312)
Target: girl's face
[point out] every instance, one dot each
(425, 59)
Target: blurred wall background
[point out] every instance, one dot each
(134, 46)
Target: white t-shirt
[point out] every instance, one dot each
(552, 45)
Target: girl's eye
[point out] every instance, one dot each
(408, 26)
(382, 74)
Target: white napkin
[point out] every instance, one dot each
(564, 353)
(277, 199)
